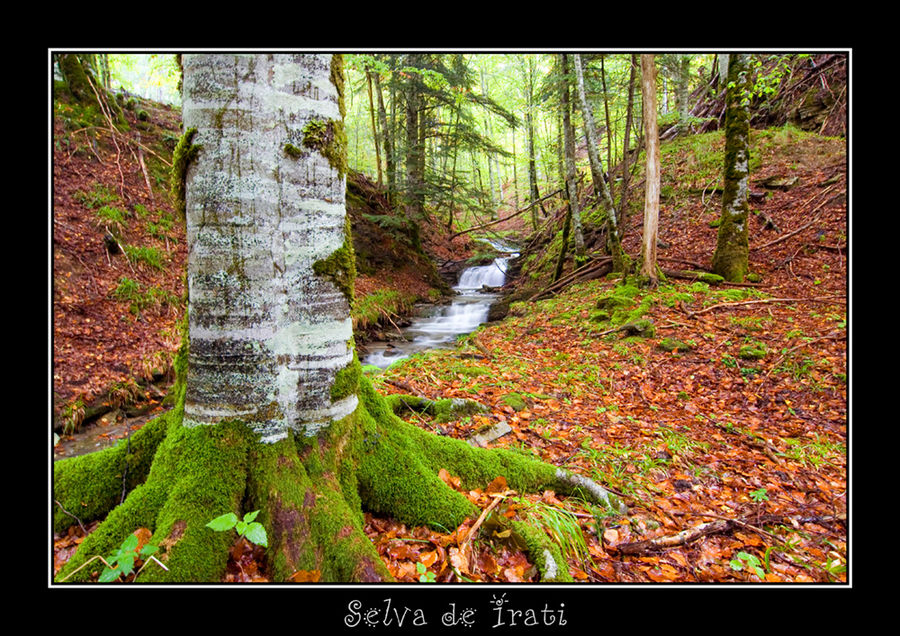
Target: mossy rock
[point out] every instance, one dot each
(640, 328)
(450, 409)
(671, 344)
(515, 401)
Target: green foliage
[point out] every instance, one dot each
(760, 495)
(561, 525)
(424, 575)
(150, 256)
(121, 563)
(749, 561)
(251, 530)
(99, 195)
(129, 290)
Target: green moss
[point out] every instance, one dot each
(340, 266)
(753, 351)
(330, 139)
(89, 486)
(184, 153)
(346, 381)
(292, 151)
(539, 546)
(671, 344)
(515, 401)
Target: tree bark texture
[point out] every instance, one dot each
(601, 188)
(651, 192)
(571, 183)
(264, 205)
(731, 256)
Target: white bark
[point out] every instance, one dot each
(267, 335)
(651, 192)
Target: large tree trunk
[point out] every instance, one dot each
(272, 412)
(731, 258)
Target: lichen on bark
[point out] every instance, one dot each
(731, 257)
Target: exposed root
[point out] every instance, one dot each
(310, 493)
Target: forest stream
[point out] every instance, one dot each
(439, 325)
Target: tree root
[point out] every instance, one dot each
(310, 492)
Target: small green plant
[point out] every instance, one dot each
(749, 561)
(149, 255)
(98, 196)
(251, 530)
(122, 562)
(561, 525)
(424, 575)
(112, 218)
(760, 495)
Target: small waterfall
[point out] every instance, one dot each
(468, 309)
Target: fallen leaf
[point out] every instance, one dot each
(305, 576)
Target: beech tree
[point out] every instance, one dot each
(272, 411)
(731, 257)
(651, 189)
(601, 189)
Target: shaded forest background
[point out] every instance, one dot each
(753, 390)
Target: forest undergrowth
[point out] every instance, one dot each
(722, 423)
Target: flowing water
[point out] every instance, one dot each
(440, 325)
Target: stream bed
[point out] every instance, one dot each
(438, 326)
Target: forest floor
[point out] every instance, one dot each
(729, 447)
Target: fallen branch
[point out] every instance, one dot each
(674, 540)
(506, 218)
(764, 301)
(593, 269)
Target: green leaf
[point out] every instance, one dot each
(108, 575)
(225, 522)
(126, 564)
(149, 549)
(250, 516)
(241, 527)
(130, 544)
(421, 568)
(736, 565)
(256, 533)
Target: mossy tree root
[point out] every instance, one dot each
(311, 493)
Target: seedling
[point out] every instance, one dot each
(122, 562)
(759, 496)
(251, 530)
(424, 575)
(745, 559)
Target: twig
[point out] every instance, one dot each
(471, 533)
(71, 515)
(85, 564)
(802, 227)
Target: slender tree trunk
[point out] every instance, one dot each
(683, 92)
(651, 193)
(601, 189)
(532, 155)
(571, 183)
(375, 134)
(609, 144)
(731, 257)
(387, 141)
(629, 122)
